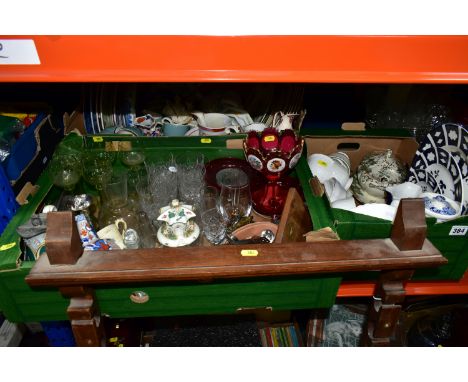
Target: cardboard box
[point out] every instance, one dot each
(349, 225)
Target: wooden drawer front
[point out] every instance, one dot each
(219, 297)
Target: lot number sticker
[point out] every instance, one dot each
(458, 230)
(18, 52)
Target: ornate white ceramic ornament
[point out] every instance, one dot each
(179, 228)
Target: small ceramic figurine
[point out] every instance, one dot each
(179, 228)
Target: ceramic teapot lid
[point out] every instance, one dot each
(176, 213)
(384, 167)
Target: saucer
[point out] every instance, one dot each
(216, 165)
(439, 206)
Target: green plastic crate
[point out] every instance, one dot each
(350, 226)
(21, 303)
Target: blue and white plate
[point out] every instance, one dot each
(451, 137)
(441, 165)
(463, 169)
(424, 179)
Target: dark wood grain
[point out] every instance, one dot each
(63, 241)
(385, 310)
(409, 228)
(295, 220)
(227, 262)
(84, 315)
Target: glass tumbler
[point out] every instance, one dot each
(115, 191)
(235, 201)
(214, 226)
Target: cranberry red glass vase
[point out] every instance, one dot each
(273, 154)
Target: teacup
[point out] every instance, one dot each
(342, 158)
(326, 168)
(174, 130)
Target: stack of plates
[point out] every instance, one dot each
(440, 164)
(108, 105)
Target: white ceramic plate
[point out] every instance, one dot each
(441, 165)
(424, 179)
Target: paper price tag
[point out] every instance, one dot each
(5, 247)
(205, 140)
(458, 230)
(98, 139)
(18, 52)
(249, 252)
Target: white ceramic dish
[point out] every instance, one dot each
(424, 179)
(377, 210)
(440, 207)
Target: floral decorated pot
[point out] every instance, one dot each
(179, 228)
(374, 174)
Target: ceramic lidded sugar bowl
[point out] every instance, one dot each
(376, 172)
(179, 228)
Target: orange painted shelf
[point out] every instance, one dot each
(319, 59)
(413, 288)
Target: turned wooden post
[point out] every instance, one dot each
(84, 316)
(408, 233)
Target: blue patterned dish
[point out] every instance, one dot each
(463, 169)
(439, 206)
(449, 136)
(424, 179)
(441, 165)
